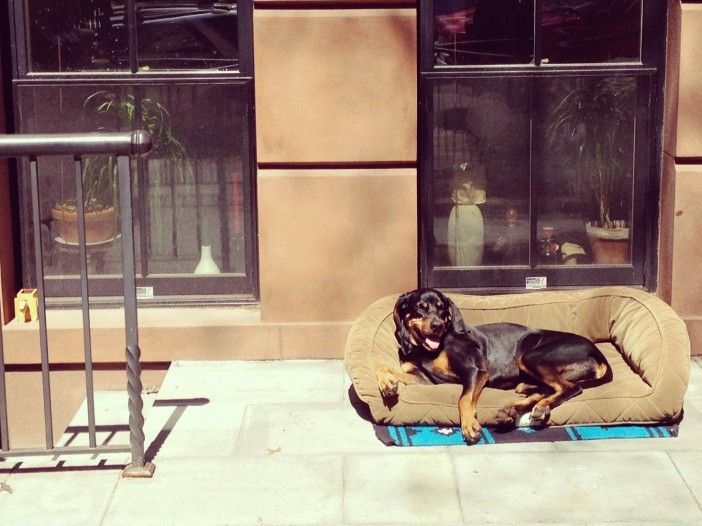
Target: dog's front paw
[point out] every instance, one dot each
(387, 382)
(472, 432)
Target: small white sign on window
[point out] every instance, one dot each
(536, 283)
(145, 293)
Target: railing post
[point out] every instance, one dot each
(43, 334)
(138, 468)
(123, 145)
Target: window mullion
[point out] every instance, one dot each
(533, 202)
(132, 35)
(537, 32)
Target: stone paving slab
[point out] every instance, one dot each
(306, 429)
(400, 489)
(689, 464)
(573, 487)
(57, 498)
(274, 490)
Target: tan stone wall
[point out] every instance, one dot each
(335, 86)
(685, 148)
(333, 241)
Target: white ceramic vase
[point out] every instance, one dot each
(466, 236)
(206, 264)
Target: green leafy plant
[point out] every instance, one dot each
(595, 121)
(100, 188)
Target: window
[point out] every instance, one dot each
(538, 156)
(181, 69)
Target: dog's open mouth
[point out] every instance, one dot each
(431, 344)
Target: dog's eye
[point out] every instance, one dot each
(439, 305)
(423, 305)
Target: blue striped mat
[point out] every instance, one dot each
(451, 436)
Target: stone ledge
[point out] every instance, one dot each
(169, 342)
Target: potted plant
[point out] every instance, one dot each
(595, 121)
(100, 186)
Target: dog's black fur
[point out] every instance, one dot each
(549, 367)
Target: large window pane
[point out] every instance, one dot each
(577, 31)
(187, 34)
(584, 168)
(481, 172)
(471, 32)
(189, 195)
(76, 35)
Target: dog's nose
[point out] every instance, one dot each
(435, 324)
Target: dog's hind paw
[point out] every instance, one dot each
(539, 414)
(506, 417)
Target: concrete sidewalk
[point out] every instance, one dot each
(280, 443)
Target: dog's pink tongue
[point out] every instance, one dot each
(432, 344)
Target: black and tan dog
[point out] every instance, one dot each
(546, 366)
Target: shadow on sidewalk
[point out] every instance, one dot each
(23, 466)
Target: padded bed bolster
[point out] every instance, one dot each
(643, 339)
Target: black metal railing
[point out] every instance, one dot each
(122, 145)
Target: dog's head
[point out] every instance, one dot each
(422, 318)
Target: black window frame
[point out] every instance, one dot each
(230, 288)
(649, 71)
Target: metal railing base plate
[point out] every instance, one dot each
(138, 472)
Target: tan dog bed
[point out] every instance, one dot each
(644, 340)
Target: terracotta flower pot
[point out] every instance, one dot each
(99, 226)
(609, 245)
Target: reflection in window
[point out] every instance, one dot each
(594, 31)
(77, 35)
(481, 172)
(189, 197)
(585, 166)
(185, 34)
(483, 32)
(92, 35)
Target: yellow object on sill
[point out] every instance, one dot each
(27, 305)
(571, 252)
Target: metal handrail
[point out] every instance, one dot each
(138, 142)
(122, 145)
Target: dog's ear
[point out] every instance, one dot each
(456, 318)
(401, 333)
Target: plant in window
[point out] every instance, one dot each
(594, 122)
(100, 186)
